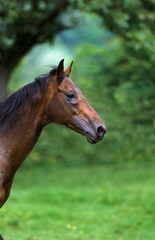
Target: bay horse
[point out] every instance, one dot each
(51, 98)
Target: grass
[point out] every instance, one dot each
(81, 203)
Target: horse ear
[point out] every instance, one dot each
(60, 69)
(68, 70)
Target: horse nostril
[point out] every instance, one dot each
(101, 131)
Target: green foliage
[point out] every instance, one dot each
(16, 19)
(81, 203)
(132, 20)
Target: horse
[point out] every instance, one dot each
(51, 98)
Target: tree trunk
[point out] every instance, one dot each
(4, 79)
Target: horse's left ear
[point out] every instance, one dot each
(67, 72)
(60, 69)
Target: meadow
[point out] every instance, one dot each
(81, 203)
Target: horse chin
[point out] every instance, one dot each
(90, 139)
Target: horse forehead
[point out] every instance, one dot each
(68, 85)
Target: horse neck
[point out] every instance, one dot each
(19, 137)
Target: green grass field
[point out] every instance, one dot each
(81, 203)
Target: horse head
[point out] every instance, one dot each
(68, 106)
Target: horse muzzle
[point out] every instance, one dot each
(96, 134)
(93, 131)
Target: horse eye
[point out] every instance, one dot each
(70, 95)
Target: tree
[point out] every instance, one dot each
(24, 24)
(133, 21)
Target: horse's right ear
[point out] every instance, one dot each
(60, 69)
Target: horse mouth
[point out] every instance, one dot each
(91, 138)
(90, 135)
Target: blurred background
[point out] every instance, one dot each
(112, 44)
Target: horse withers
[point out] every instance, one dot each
(51, 98)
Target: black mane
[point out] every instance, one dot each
(25, 95)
